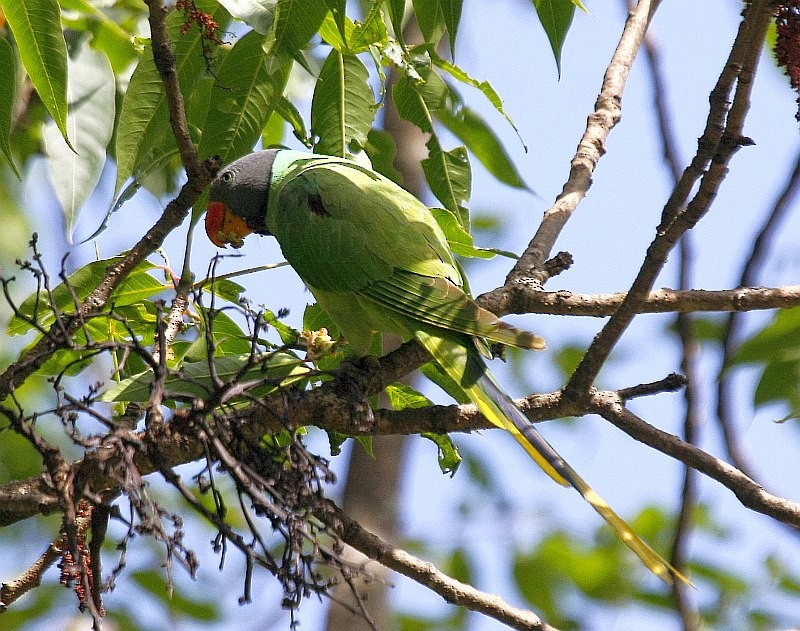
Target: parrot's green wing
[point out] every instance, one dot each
(394, 253)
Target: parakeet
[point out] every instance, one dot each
(376, 260)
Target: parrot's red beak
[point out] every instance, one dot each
(223, 227)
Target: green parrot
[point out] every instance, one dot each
(376, 260)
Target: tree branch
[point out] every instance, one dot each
(726, 140)
(453, 591)
(750, 493)
(659, 301)
(198, 174)
(530, 269)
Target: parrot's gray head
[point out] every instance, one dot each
(238, 199)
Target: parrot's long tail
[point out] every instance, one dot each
(466, 366)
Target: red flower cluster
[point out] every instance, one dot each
(787, 45)
(209, 29)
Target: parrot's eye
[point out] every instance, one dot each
(227, 177)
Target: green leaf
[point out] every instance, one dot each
(289, 335)
(483, 86)
(259, 376)
(296, 23)
(556, 18)
(108, 36)
(437, 375)
(430, 19)
(343, 106)
(248, 88)
(8, 88)
(258, 14)
(288, 112)
(449, 175)
(144, 134)
(338, 13)
(402, 396)
(90, 124)
(451, 10)
(415, 100)
(227, 338)
(473, 131)
(36, 25)
(449, 458)
(371, 31)
(137, 286)
(777, 341)
(382, 150)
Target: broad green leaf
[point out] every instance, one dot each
(137, 286)
(222, 288)
(203, 608)
(371, 31)
(430, 19)
(331, 34)
(451, 10)
(473, 131)
(449, 176)
(296, 22)
(556, 18)
(248, 88)
(437, 375)
(227, 338)
(143, 131)
(777, 341)
(259, 375)
(288, 112)
(338, 13)
(289, 335)
(447, 172)
(415, 99)
(140, 321)
(90, 124)
(258, 14)
(484, 86)
(343, 106)
(8, 90)
(402, 396)
(36, 25)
